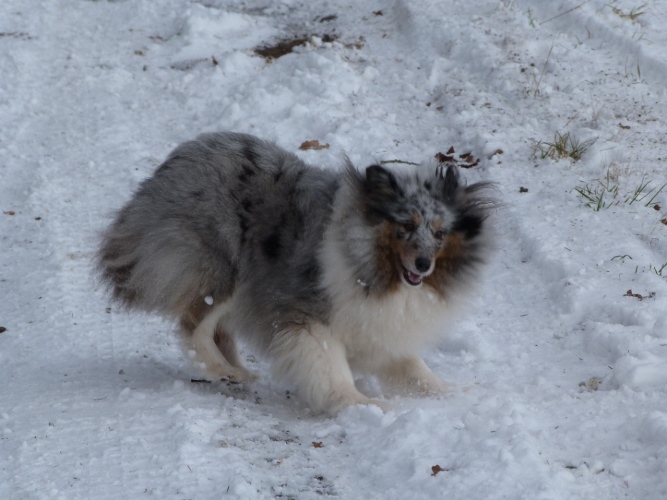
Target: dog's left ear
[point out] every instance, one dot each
(381, 183)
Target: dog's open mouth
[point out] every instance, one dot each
(411, 278)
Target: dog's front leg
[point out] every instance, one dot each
(315, 362)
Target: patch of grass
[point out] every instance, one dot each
(659, 270)
(642, 192)
(632, 15)
(563, 146)
(597, 196)
(621, 257)
(602, 194)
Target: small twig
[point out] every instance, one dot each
(384, 162)
(566, 12)
(537, 86)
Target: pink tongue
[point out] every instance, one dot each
(415, 278)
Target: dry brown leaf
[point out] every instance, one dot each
(280, 48)
(436, 469)
(314, 144)
(443, 158)
(639, 296)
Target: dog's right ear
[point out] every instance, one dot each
(381, 183)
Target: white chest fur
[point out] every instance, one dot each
(374, 330)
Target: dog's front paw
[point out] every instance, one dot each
(429, 386)
(337, 402)
(412, 376)
(229, 373)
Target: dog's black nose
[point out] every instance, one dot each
(422, 264)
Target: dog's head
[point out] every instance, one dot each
(424, 226)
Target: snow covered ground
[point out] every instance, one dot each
(561, 364)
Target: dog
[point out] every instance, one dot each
(327, 272)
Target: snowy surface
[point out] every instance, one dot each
(561, 373)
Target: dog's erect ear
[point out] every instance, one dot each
(450, 183)
(381, 183)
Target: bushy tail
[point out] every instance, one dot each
(161, 268)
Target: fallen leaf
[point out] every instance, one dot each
(444, 158)
(465, 160)
(638, 295)
(2, 329)
(317, 444)
(436, 469)
(10, 212)
(280, 48)
(314, 144)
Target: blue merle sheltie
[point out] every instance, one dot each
(328, 272)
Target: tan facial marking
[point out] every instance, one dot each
(448, 259)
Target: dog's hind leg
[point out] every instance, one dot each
(227, 347)
(211, 344)
(411, 375)
(315, 362)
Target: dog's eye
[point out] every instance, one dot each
(408, 227)
(440, 234)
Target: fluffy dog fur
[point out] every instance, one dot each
(327, 272)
